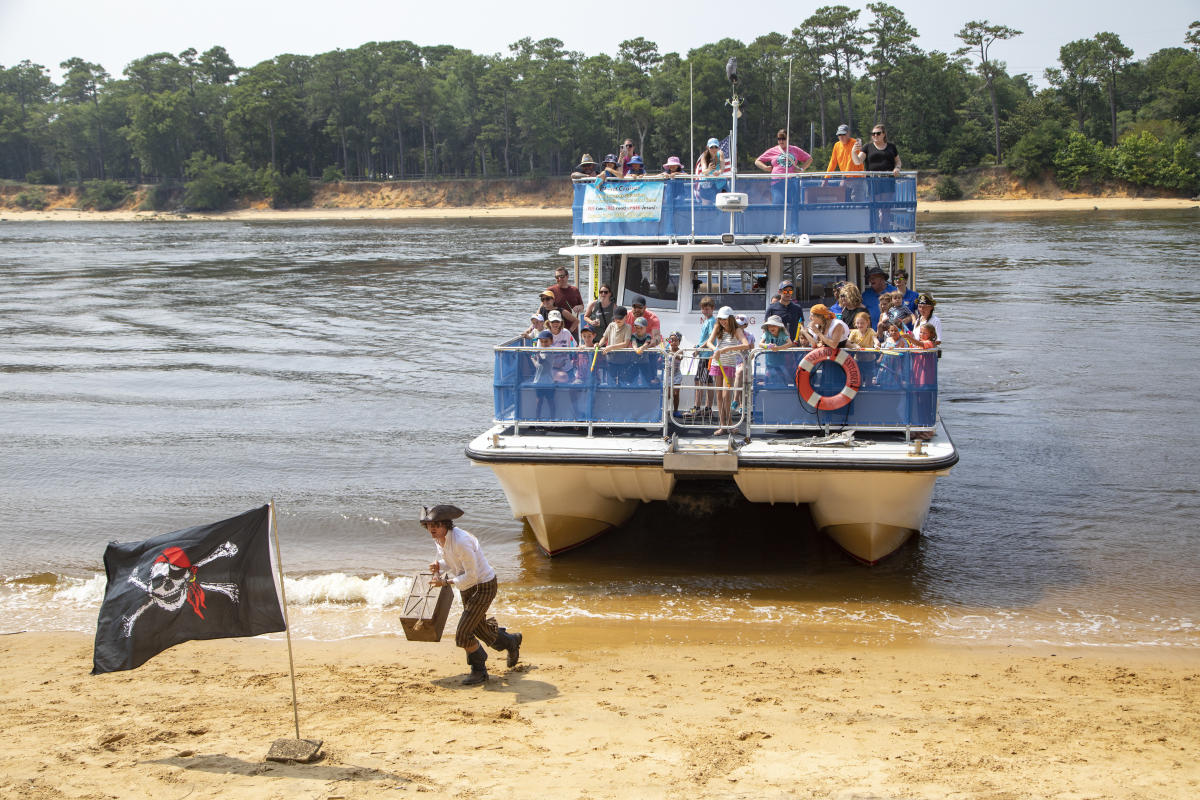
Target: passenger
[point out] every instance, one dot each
(880, 154)
(925, 315)
(783, 159)
(824, 329)
(545, 303)
(655, 326)
(743, 367)
(704, 380)
(600, 311)
(711, 165)
(616, 336)
(847, 155)
(645, 365)
(610, 168)
(729, 340)
(862, 337)
(635, 168)
(537, 324)
(908, 296)
(543, 376)
(587, 343)
(673, 167)
(566, 299)
(886, 301)
(628, 153)
(587, 168)
(641, 337)
(851, 304)
(928, 338)
(876, 285)
(775, 337)
(562, 336)
(676, 356)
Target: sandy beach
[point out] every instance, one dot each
(604, 713)
(564, 212)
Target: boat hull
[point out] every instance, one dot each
(868, 499)
(567, 505)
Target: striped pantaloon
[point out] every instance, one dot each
(473, 622)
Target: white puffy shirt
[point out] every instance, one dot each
(462, 560)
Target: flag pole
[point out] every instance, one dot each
(286, 623)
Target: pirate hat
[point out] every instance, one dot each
(440, 513)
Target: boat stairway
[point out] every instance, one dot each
(709, 457)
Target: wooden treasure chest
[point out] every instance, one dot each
(426, 609)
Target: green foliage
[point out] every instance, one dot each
(158, 197)
(285, 191)
(948, 189)
(103, 195)
(214, 185)
(966, 145)
(1078, 158)
(1033, 153)
(31, 199)
(44, 177)
(332, 174)
(1146, 160)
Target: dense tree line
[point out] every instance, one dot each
(399, 110)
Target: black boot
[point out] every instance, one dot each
(477, 658)
(510, 642)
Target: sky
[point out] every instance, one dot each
(114, 32)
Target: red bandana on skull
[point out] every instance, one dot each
(195, 594)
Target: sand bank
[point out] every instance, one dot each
(604, 713)
(528, 212)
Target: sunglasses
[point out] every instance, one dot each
(605, 291)
(787, 290)
(877, 133)
(781, 138)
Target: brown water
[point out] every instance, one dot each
(155, 376)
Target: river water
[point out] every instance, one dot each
(155, 376)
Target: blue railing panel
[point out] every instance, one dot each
(817, 205)
(553, 385)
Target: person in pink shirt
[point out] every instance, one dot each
(654, 326)
(783, 159)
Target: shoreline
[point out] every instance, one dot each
(603, 713)
(1040, 205)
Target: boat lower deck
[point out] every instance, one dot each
(572, 484)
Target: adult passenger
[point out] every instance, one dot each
(877, 284)
(545, 304)
(925, 315)
(880, 154)
(460, 562)
(587, 168)
(907, 295)
(600, 311)
(566, 299)
(851, 304)
(640, 310)
(787, 309)
(783, 159)
(711, 166)
(847, 153)
(627, 154)
(824, 329)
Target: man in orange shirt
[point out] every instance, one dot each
(847, 153)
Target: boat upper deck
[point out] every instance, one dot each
(684, 207)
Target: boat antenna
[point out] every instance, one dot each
(692, 144)
(787, 145)
(731, 72)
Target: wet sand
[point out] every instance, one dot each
(528, 212)
(609, 712)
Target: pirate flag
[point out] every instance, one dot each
(209, 582)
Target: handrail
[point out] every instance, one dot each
(687, 176)
(580, 388)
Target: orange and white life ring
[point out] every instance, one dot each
(842, 358)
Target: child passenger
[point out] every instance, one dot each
(676, 356)
(775, 337)
(542, 375)
(704, 395)
(862, 337)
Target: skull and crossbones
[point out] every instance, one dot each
(173, 581)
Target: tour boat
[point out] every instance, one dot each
(854, 435)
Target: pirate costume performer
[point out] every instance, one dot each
(461, 563)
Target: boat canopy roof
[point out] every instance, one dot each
(813, 248)
(746, 207)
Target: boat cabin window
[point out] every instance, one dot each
(814, 277)
(738, 283)
(656, 279)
